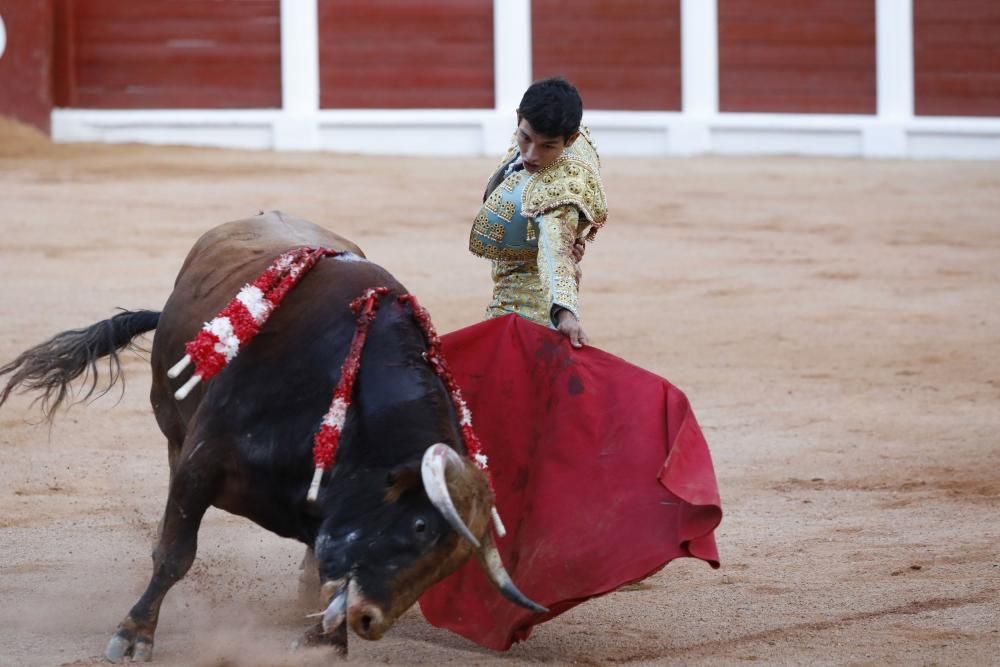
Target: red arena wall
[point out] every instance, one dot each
(621, 54)
(123, 54)
(392, 54)
(956, 57)
(776, 61)
(797, 56)
(25, 68)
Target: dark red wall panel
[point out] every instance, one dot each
(956, 51)
(25, 67)
(797, 56)
(394, 54)
(620, 54)
(125, 54)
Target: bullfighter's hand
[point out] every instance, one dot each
(570, 327)
(579, 247)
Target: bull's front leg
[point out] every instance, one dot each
(309, 582)
(190, 494)
(332, 629)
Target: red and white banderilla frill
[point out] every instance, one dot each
(221, 339)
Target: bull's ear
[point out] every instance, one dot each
(401, 479)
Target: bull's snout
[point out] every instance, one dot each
(366, 619)
(364, 616)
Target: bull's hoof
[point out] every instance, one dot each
(143, 651)
(315, 637)
(124, 644)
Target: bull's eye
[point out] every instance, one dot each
(419, 525)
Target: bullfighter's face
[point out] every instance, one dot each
(386, 544)
(538, 151)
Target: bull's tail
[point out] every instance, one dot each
(51, 366)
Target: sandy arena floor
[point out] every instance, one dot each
(835, 323)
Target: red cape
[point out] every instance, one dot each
(601, 472)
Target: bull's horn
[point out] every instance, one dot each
(489, 558)
(437, 459)
(336, 611)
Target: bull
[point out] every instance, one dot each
(402, 508)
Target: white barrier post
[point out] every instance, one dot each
(296, 127)
(886, 137)
(699, 77)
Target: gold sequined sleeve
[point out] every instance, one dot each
(556, 268)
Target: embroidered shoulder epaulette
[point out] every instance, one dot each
(574, 178)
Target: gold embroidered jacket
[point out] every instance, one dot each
(528, 225)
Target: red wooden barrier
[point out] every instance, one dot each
(797, 56)
(25, 74)
(956, 52)
(393, 54)
(125, 54)
(620, 54)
